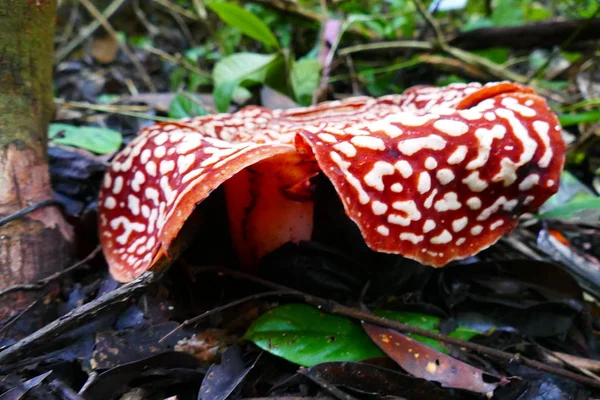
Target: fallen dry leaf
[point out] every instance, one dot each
(425, 362)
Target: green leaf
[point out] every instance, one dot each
(223, 94)
(573, 207)
(97, 140)
(508, 13)
(305, 336)
(579, 118)
(183, 106)
(240, 69)
(305, 76)
(537, 12)
(246, 22)
(427, 322)
(499, 55)
(243, 67)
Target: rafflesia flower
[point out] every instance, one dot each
(434, 174)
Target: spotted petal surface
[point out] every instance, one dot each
(442, 186)
(434, 174)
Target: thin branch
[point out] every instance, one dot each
(333, 307)
(178, 60)
(122, 110)
(77, 317)
(111, 31)
(392, 45)
(87, 31)
(216, 310)
(487, 66)
(431, 21)
(177, 9)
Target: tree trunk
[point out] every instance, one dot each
(37, 244)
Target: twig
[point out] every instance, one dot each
(569, 362)
(24, 211)
(488, 66)
(77, 317)
(224, 307)
(333, 307)
(431, 22)
(491, 68)
(452, 65)
(177, 9)
(111, 31)
(379, 70)
(328, 387)
(538, 72)
(68, 29)
(45, 281)
(18, 317)
(391, 45)
(178, 60)
(87, 31)
(110, 109)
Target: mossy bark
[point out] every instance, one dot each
(38, 244)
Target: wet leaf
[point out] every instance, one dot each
(97, 140)
(21, 390)
(161, 370)
(221, 380)
(425, 362)
(305, 336)
(186, 106)
(373, 380)
(245, 21)
(116, 348)
(536, 298)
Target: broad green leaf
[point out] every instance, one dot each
(305, 76)
(430, 323)
(97, 140)
(579, 118)
(508, 13)
(246, 22)
(240, 69)
(183, 106)
(305, 336)
(223, 93)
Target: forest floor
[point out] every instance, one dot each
(520, 319)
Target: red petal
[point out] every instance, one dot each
(154, 185)
(437, 187)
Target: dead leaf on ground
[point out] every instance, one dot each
(427, 363)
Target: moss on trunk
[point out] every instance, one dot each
(38, 244)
